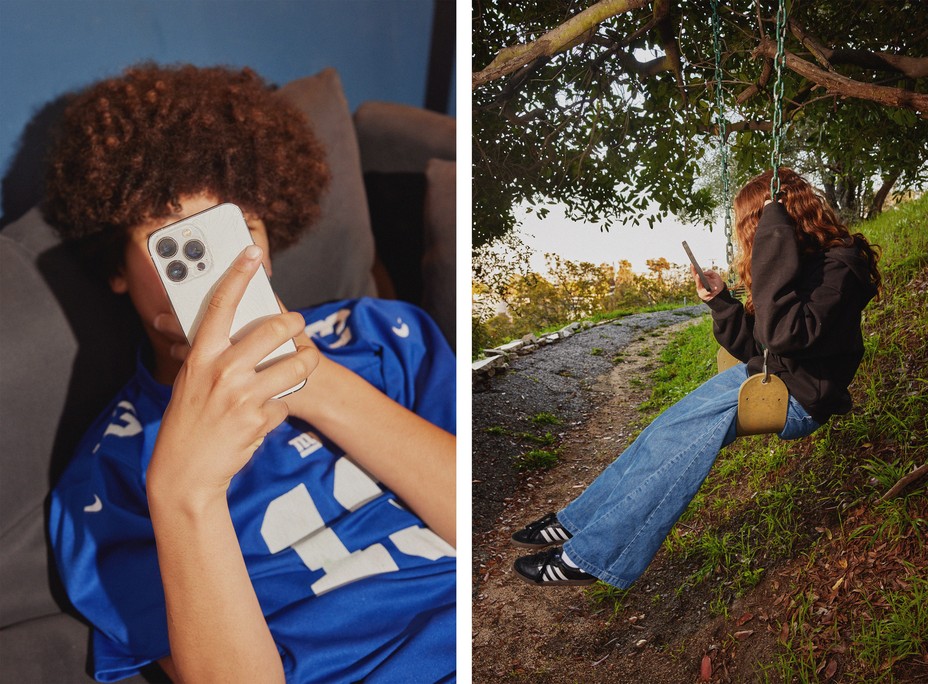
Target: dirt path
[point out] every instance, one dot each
(520, 632)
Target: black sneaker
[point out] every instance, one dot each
(541, 533)
(548, 569)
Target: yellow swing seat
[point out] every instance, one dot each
(725, 360)
(762, 399)
(762, 405)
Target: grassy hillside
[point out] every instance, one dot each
(801, 530)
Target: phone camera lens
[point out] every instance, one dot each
(194, 250)
(166, 247)
(176, 271)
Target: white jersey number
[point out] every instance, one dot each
(292, 520)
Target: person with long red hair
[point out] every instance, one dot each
(808, 278)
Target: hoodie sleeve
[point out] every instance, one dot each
(732, 326)
(794, 302)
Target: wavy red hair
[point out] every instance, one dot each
(818, 227)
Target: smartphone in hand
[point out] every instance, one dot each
(191, 256)
(699, 271)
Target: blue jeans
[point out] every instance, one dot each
(621, 519)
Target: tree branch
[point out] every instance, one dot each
(735, 126)
(917, 474)
(752, 90)
(667, 33)
(563, 37)
(818, 50)
(847, 87)
(912, 67)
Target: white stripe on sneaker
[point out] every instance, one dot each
(558, 575)
(554, 533)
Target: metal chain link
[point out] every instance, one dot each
(723, 135)
(778, 63)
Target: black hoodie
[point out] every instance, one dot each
(806, 313)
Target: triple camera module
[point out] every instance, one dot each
(193, 250)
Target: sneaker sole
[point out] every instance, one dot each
(537, 545)
(554, 583)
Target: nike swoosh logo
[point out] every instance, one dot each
(95, 507)
(402, 330)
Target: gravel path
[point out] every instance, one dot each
(559, 379)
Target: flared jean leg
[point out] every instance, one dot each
(620, 521)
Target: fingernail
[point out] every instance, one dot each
(253, 252)
(159, 322)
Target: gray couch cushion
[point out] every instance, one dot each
(335, 259)
(65, 349)
(53, 650)
(396, 138)
(438, 258)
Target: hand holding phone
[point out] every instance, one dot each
(221, 409)
(191, 257)
(699, 271)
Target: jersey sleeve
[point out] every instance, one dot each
(104, 548)
(415, 367)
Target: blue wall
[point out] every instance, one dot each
(50, 47)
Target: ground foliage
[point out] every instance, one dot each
(625, 119)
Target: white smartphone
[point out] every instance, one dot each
(191, 256)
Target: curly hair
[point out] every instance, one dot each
(129, 148)
(817, 225)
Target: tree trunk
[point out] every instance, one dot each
(877, 205)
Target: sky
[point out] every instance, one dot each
(577, 241)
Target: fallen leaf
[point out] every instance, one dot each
(744, 634)
(705, 669)
(831, 669)
(747, 617)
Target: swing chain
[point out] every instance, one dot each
(723, 135)
(779, 63)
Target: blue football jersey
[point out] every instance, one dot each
(352, 584)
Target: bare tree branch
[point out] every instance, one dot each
(819, 51)
(736, 126)
(917, 474)
(563, 37)
(667, 33)
(847, 87)
(752, 90)
(912, 67)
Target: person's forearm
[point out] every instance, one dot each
(732, 327)
(216, 628)
(412, 457)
